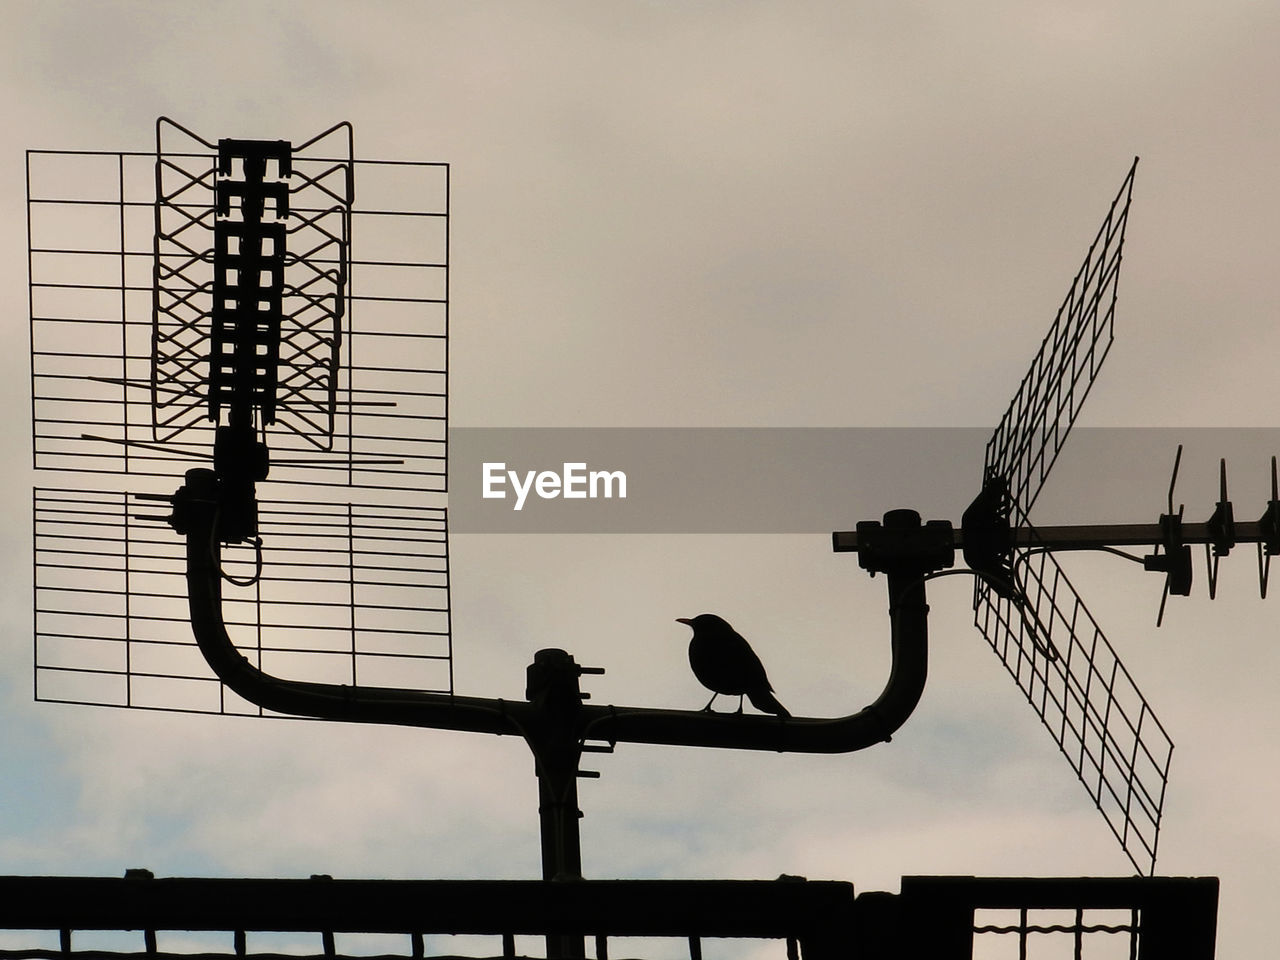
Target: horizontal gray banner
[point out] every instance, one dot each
(818, 480)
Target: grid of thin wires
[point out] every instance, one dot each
(364, 389)
(1071, 675)
(120, 283)
(351, 593)
(1100, 934)
(1027, 440)
(1047, 639)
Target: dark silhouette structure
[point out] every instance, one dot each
(236, 397)
(931, 918)
(724, 663)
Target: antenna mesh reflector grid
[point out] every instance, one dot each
(348, 593)
(1027, 440)
(1086, 698)
(354, 585)
(120, 364)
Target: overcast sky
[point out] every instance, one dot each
(721, 214)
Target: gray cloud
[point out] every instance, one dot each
(814, 214)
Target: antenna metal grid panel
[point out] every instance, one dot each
(1083, 694)
(354, 582)
(1086, 698)
(1029, 437)
(348, 594)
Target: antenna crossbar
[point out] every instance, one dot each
(1091, 536)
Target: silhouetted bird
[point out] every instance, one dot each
(725, 663)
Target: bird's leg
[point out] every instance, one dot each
(740, 696)
(707, 708)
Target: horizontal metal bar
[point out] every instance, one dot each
(724, 908)
(145, 954)
(301, 157)
(1124, 534)
(1089, 536)
(1055, 893)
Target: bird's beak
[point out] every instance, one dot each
(684, 620)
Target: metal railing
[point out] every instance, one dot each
(940, 918)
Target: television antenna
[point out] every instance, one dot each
(190, 305)
(248, 349)
(1024, 604)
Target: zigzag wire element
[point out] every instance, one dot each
(311, 334)
(182, 290)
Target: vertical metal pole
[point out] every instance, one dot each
(558, 815)
(552, 687)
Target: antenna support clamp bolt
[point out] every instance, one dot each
(902, 544)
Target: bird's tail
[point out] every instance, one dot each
(765, 700)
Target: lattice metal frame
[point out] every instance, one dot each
(122, 299)
(91, 222)
(348, 593)
(1031, 433)
(1074, 680)
(1036, 622)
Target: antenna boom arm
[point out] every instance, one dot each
(196, 504)
(1091, 536)
(871, 725)
(196, 509)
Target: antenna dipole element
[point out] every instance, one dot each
(1269, 530)
(248, 278)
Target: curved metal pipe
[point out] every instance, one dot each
(874, 724)
(326, 700)
(871, 725)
